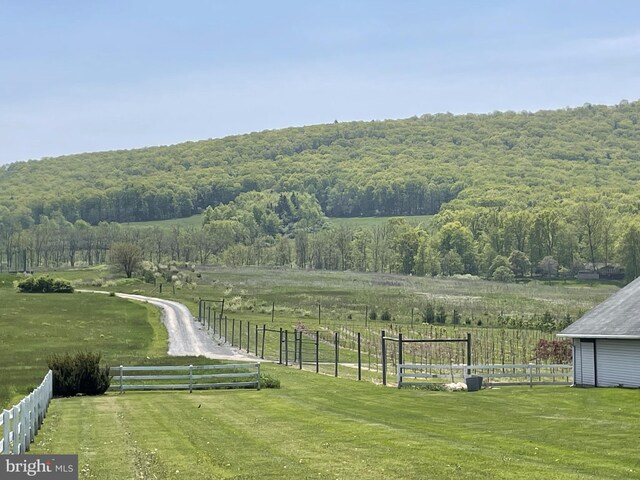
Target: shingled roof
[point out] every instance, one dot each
(617, 317)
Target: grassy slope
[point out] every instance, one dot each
(35, 326)
(320, 427)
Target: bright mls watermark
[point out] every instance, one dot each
(51, 467)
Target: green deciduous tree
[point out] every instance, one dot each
(126, 256)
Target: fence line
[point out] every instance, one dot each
(324, 348)
(521, 374)
(21, 423)
(242, 375)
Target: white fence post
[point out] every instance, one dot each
(6, 431)
(258, 375)
(15, 413)
(190, 378)
(530, 375)
(21, 423)
(121, 373)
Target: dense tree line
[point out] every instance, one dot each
(401, 167)
(269, 229)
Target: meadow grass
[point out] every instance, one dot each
(345, 297)
(316, 426)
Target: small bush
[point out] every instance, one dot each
(78, 374)
(267, 381)
(44, 284)
(386, 316)
(373, 315)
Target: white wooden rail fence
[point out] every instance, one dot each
(495, 374)
(191, 377)
(21, 423)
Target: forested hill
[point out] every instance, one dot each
(411, 166)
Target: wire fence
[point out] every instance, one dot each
(339, 350)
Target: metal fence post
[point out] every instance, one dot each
(190, 378)
(359, 359)
(280, 348)
(300, 352)
(468, 353)
(259, 376)
(317, 351)
(264, 332)
(286, 347)
(121, 379)
(384, 359)
(337, 342)
(233, 330)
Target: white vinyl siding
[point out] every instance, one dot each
(577, 362)
(585, 360)
(618, 362)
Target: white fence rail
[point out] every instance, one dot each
(191, 377)
(20, 424)
(495, 374)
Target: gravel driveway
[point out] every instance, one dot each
(186, 336)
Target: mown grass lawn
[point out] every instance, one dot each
(35, 326)
(320, 427)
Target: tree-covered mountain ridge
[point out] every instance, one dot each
(503, 160)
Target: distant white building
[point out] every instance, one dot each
(606, 341)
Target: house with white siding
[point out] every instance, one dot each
(606, 341)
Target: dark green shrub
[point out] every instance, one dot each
(44, 284)
(428, 314)
(386, 316)
(78, 374)
(267, 381)
(148, 276)
(373, 315)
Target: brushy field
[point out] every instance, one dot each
(350, 297)
(502, 318)
(320, 427)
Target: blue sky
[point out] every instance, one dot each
(80, 76)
